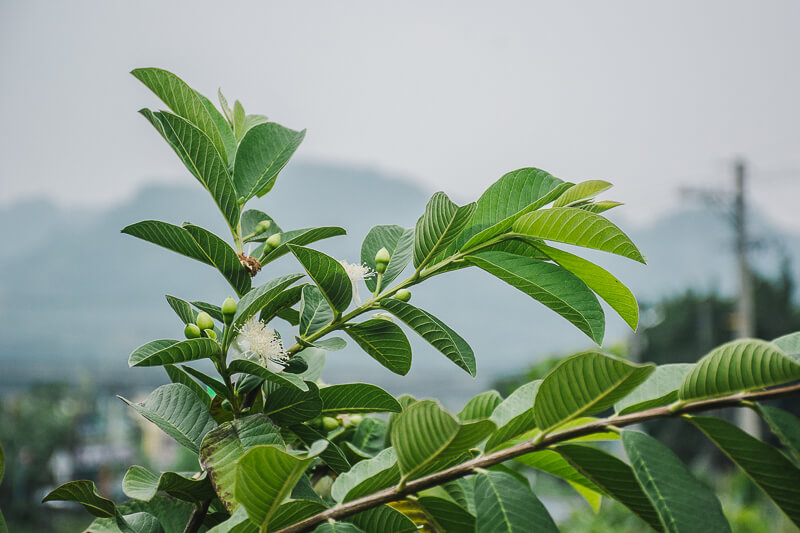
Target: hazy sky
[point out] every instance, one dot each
(650, 95)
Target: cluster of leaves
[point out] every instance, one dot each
(269, 458)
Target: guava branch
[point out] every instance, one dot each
(464, 469)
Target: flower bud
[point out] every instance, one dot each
(403, 295)
(262, 226)
(381, 260)
(204, 320)
(273, 241)
(228, 310)
(356, 419)
(191, 331)
(211, 334)
(329, 423)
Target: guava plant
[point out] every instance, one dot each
(280, 451)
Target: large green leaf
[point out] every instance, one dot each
(398, 241)
(315, 311)
(329, 275)
(265, 476)
(224, 129)
(433, 330)
(224, 446)
(384, 519)
(293, 511)
(582, 191)
(514, 415)
(178, 412)
(182, 308)
(737, 366)
(583, 384)
(555, 287)
(338, 527)
(333, 456)
(223, 257)
(579, 227)
(171, 514)
(366, 477)
(262, 154)
(252, 368)
(141, 484)
(504, 505)
(169, 352)
(551, 462)
(614, 477)
(440, 225)
(449, 516)
(85, 493)
(385, 342)
(287, 406)
(480, 406)
(659, 389)
(282, 304)
(609, 288)
(784, 425)
(764, 464)
(789, 344)
(201, 158)
(217, 386)
(169, 236)
(184, 101)
(356, 398)
(259, 297)
(683, 504)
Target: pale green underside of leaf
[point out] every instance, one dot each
(141, 484)
(582, 191)
(85, 493)
(514, 415)
(784, 425)
(659, 389)
(480, 406)
(366, 477)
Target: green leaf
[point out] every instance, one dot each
(171, 514)
(384, 519)
(168, 352)
(299, 237)
(281, 304)
(287, 406)
(737, 366)
(293, 511)
(609, 288)
(356, 398)
(214, 310)
(579, 227)
(366, 477)
(224, 446)
(178, 412)
(385, 342)
(250, 220)
(176, 375)
(223, 128)
(503, 505)
(614, 477)
(764, 464)
(784, 425)
(332, 344)
(315, 312)
(514, 415)
(265, 476)
(2, 462)
(659, 389)
(448, 515)
(259, 297)
(338, 527)
(329, 275)
(169, 236)
(223, 257)
(551, 462)
(238, 120)
(789, 344)
(582, 191)
(183, 100)
(141, 484)
(583, 384)
(333, 456)
(182, 308)
(85, 493)
(433, 330)
(219, 388)
(440, 225)
(553, 286)
(201, 158)
(480, 406)
(264, 151)
(684, 504)
(600, 207)
(398, 241)
(284, 379)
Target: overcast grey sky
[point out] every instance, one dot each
(649, 95)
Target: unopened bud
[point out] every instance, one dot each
(273, 241)
(403, 295)
(382, 260)
(262, 226)
(191, 331)
(329, 423)
(204, 320)
(228, 310)
(356, 419)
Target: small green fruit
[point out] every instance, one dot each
(403, 295)
(273, 241)
(329, 424)
(191, 331)
(262, 226)
(228, 310)
(356, 419)
(210, 333)
(204, 320)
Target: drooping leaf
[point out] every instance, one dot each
(329, 275)
(85, 493)
(503, 505)
(480, 406)
(614, 477)
(514, 415)
(583, 384)
(315, 311)
(433, 330)
(287, 406)
(440, 225)
(683, 504)
(169, 352)
(582, 191)
(224, 446)
(740, 365)
(550, 284)
(176, 375)
(264, 151)
(385, 342)
(578, 227)
(609, 288)
(169, 236)
(356, 398)
(659, 389)
(784, 425)
(141, 484)
(765, 465)
(398, 241)
(366, 477)
(178, 412)
(259, 297)
(222, 257)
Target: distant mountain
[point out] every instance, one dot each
(76, 296)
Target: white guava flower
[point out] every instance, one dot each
(356, 273)
(256, 339)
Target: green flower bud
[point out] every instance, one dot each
(382, 260)
(329, 423)
(262, 226)
(356, 419)
(273, 241)
(204, 320)
(211, 334)
(228, 310)
(191, 331)
(403, 295)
